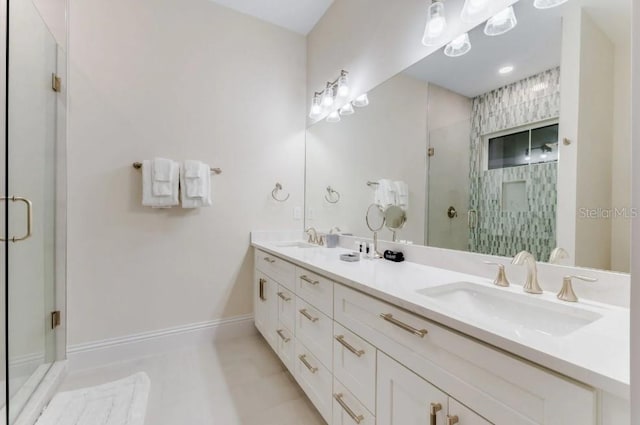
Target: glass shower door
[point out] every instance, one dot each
(29, 203)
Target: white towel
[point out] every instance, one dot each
(385, 193)
(402, 194)
(195, 174)
(148, 197)
(161, 176)
(202, 186)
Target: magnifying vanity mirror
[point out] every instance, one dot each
(395, 217)
(526, 137)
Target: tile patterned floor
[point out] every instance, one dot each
(231, 382)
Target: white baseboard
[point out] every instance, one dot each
(114, 350)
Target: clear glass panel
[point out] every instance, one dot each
(31, 175)
(446, 189)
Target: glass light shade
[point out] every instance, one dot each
(505, 70)
(347, 109)
(333, 117)
(548, 4)
(501, 23)
(472, 9)
(459, 46)
(327, 97)
(436, 24)
(360, 101)
(316, 108)
(343, 86)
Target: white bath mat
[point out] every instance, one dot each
(122, 402)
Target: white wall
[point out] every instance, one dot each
(621, 159)
(387, 139)
(594, 145)
(376, 39)
(635, 197)
(184, 80)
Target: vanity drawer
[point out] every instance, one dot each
(347, 409)
(315, 330)
(286, 307)
(500, 387)
(315, 289)
(286, 346)
(277, 269)
(354, 364)
(315, 379)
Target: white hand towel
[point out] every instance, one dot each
(402, 194)
(161, 176)
(384, 195)
(195, 173)
(148, 197)
(205, 178)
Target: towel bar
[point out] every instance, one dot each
(138, 165)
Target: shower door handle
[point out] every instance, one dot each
(29, 205)
(472, 219)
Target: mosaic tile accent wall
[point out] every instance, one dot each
(533, 228)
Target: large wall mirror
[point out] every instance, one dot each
(522, 143)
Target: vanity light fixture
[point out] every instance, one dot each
(316, 107)
(547, 4)
(327, 97)
(501, 23)
(505, 70)
(436, 23)
(347, 109)
(343, 84)
(334, 116)
(459, 46)
(472, 9)
(361, 101)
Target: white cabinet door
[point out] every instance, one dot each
(464, 415)
(265, 306)
(406, 399)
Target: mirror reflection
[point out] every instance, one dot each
(520, 143)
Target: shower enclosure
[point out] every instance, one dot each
(31, 205)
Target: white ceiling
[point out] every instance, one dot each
(296, 15)
(531, 47)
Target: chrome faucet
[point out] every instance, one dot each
(531, 284)
(558, 254)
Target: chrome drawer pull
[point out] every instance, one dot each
(389, 318)
(284, 297)
(303, 359)
(340, 339)
(306, 314)
(281, 335)
(308, 280)
(433, 411)
(356, 418)
(269, 260)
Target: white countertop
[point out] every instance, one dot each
(597, 354)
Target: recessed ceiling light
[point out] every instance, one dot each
(505, 69)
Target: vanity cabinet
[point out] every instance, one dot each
(362, 360)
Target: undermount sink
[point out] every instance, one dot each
(480, 303)
(296, 244)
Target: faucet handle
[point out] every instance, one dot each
(567, 293)
(501, 278)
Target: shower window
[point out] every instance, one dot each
(529, 145)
